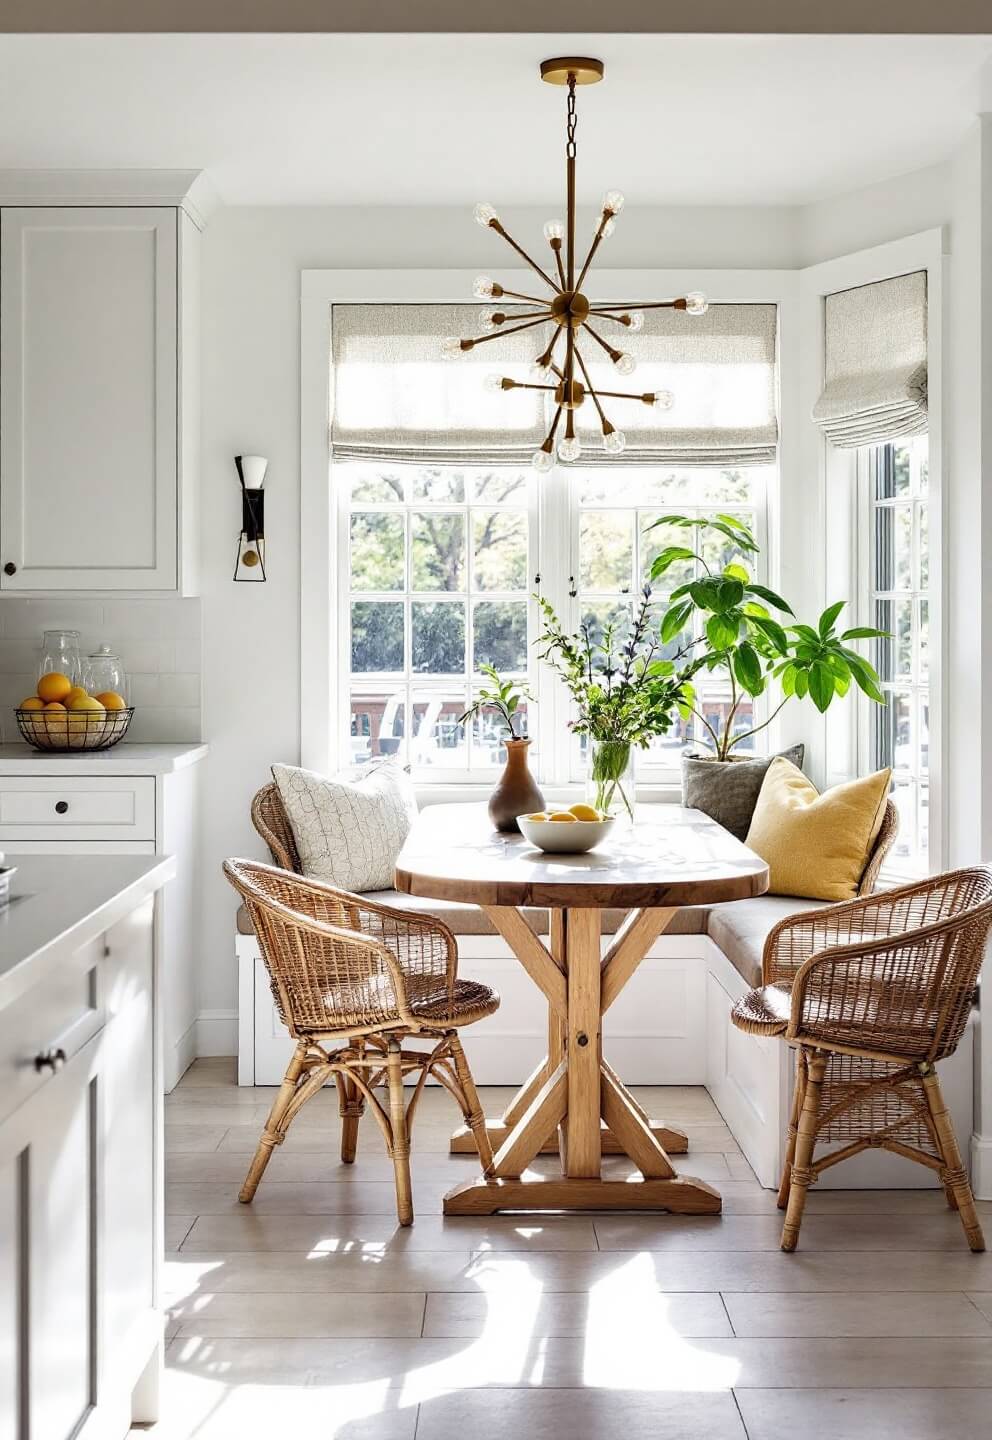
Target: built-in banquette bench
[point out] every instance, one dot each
(683, 993)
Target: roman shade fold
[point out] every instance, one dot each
(395, 398)
(875, 363)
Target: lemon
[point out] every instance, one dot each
(110, 700)
(585, 812)
(565, 815)
(32, 703)
(54, 686)
(72, 696)
(538, 815)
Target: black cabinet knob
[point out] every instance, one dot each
(50, 1060)
(10, 568)
(61, 807)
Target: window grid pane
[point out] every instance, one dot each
(438, 568)
(899, 730)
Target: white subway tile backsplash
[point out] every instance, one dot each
(158, 640)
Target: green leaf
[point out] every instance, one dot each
(788, 676)
(730, 592)
(668, 558)
(866, 684)
(706, 594)
(722, 631)
(763, 593)
(773, 630)
(747, 668)
(805, 632)
(674, 621)
(802, 684)
(865, 632)
(736, 572)
(829, 616)
(821, 685)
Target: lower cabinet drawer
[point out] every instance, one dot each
(48, 1025)
(111, 807)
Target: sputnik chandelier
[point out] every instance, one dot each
(561, 369)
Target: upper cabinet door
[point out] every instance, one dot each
(88, 399)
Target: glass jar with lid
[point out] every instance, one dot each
(60, 654)
(104, 673)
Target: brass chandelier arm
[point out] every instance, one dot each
(600, 341)
(519, 295)
(495, 225)
(543, 314)
(622, 319)
(596, 242)
(645, 399)
(590, 388)
(561, 269)
(474, 340)
(638, 305)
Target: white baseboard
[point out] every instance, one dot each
(981, 1166)
(217, 1032)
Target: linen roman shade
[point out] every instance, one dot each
(394, 396)
(875, 363)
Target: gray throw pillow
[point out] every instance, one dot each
(727, 790)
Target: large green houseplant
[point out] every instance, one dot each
(738, 637)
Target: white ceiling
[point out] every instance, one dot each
(420, 119)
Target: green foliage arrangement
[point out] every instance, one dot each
(740, 637)
(503, 698)
(625, 692)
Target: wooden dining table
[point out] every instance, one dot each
(575, 1102)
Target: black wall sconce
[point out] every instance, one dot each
(249, 565)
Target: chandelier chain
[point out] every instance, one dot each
(571, 120)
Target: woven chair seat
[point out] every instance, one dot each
(471, 1001)
(763, 1012)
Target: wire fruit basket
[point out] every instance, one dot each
(66, 730)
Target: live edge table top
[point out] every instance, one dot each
(670, 856)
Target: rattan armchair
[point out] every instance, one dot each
(872, 993)
(353, 983)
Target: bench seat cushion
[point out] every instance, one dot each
(740, 927)
(469, 920)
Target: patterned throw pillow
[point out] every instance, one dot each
(727, 790)
(349, 829)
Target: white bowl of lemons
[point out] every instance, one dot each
(566, 832)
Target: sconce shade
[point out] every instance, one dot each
(251, 470)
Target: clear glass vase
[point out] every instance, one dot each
(610, 781)
(60, 652)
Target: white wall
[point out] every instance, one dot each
(252, 262)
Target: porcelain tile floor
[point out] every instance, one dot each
(312, 1311)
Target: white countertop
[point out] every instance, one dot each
(122, 759)
(60, 899)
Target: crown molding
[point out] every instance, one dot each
(189, 190)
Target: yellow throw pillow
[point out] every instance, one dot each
(816, 845)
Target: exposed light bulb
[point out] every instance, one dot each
(569, 449)
(625, 364)
(613, 201)
(483, 288)
(493, 381)
(488, 322)
(614, 442)
(696, 303)
(554, 230)
(608, 228)
(542, 461)
(663, 399)
(451, 348)
(636, 320)
(484, 214)
(540, 371)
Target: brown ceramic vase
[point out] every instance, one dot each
(516, 793)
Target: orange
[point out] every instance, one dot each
(54, 686)
(110, 700)
(54, 708)
(32, 703)
(72, 695)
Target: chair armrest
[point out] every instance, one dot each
(889, 995)
(356, 939)
(798, 937)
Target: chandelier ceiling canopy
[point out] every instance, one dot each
(560, 369)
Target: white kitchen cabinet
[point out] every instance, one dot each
(98, 414)
(130, 800)
(80, 1166)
